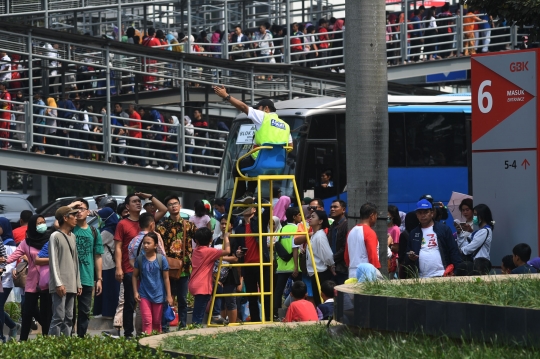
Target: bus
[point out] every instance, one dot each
(429, 148)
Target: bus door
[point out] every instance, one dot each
(321, 170)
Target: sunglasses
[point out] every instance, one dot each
(312, 208)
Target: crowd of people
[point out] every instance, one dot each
(432, 34)
(79, 134)
(142, 263)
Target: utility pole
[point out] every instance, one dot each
(367, 114)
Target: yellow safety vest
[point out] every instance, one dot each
(272, 130)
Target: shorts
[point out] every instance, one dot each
(228, 303)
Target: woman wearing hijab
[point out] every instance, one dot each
(281, 207)
(190, 131)
(37, 236)
(339, 25)
(106, 303)
(52, 113)
(7, 246)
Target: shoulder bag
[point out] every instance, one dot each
(176, 265)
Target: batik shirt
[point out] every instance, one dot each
(172, 233)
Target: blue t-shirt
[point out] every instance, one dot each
(44, 252)
(524, 269)
(152, 287)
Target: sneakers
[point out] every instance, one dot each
(13, 332)
(165, 168)
(189, 171)
(149, 166)
(123, 163)
(247, 198)
(218, 320)
(198, 173)
(159, 168)
(174, 169)
(341, 71)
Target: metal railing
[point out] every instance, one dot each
(33, 126)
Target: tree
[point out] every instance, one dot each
(367, 113)
(523, 12)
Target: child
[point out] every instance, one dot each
(152, 270)
(202, 261)
(522, 253)
(300, 310)
(327, 294)
(507, 265)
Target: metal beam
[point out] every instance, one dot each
(428, 68)
(55, 166)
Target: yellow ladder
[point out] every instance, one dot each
(260, 179)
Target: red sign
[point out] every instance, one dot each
(496, 97)
(525, 163)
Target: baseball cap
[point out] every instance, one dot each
(64, 211)
(423, 204)
(266, 102)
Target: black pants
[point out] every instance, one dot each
(415, 51)
(129, 305)
(30, 309)
(323, 276)
(81, 313)
(251, 185)
(252, 279)
(279, 288)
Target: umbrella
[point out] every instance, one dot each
(453, 204)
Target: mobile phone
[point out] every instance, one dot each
(244, 249)
(411, 253)
(462, 223)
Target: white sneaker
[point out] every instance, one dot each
(166, 167)
(189, 171)
(124, 163)
(334, 71)
(159, 168)
(199, 173)
(149, 166)
(341, 71)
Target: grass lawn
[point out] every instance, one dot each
(515, 292)
(313, 341)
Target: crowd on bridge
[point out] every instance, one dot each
(143, 263)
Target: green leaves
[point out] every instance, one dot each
(524, 12)
(74, 347)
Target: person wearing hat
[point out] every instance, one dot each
(5, 116)
(149, 207)
(269, 128)
(431, 248)
(65, 279)
(440, 210)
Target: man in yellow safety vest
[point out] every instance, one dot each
(269, 128)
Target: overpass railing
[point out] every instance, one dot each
(97, 135)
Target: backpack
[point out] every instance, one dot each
(139, 260)
(281, 251)
(296, 41)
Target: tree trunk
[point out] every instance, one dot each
(367, 114)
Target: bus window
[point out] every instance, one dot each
(396, 140)
(435, 139)
(320, 170)
(323, 127)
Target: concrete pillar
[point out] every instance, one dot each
(3, 181)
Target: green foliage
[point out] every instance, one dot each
(524, 12)
(74, 347)
(515, 292)
(64, 187)
(314, 341)
(14, 310)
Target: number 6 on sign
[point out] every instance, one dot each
(484, 95)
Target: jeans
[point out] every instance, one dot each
(4, 317)
(119, 152)
(62, 319)
(151, 316)
(217, 302)
(137, 149)
(199, 307)
(179, 288)
(30, 309)
(74, 143)
(129, 305)
(84, 301)
(189, 159)
(38, 140)
(252, 279)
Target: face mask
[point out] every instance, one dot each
(41, 228)
(389, 220)
(475, 220)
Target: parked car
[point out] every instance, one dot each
(11, 206)
(48, 210)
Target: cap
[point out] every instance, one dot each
(64, 211)
(423, 204)
(4, 83)
(428, 197)
(147, 203)
(266, 102)
(307, 200)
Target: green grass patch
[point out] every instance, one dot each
(313, 341)
(78, 348)
(518, 292)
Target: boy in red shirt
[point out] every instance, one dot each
(202, 262)
(300, 310)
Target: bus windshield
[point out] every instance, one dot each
(240, 142)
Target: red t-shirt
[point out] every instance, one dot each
(301, 311)
(137, 121)
(5, 105)
(252, 254)
(19, 234)
(202, 262)
(126, 230)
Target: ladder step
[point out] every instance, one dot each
(242, 294)
(267, 234)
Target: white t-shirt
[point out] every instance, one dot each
(430, 262)
(5, 67)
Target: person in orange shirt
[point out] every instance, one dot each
(469, 21)
(300, 310)
(19, 234)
